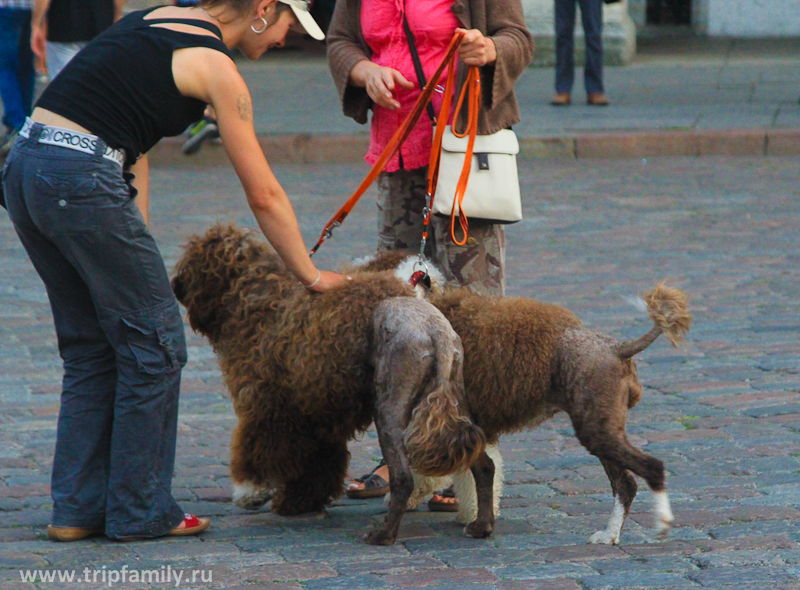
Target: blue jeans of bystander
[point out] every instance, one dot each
(592, 21)
(16, 66)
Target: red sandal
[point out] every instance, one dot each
(194, 525)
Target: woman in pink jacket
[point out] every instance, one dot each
(372, 67)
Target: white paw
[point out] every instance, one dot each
(604, 538)
(663, 527)
(664, 517)
(250, 496)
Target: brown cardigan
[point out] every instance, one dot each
(502, 20)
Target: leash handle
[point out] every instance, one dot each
(473, 84)
(394, 144)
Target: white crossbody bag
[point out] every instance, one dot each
(493, 187)
(492, 190)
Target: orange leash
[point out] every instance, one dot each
(395, 142)
(473, 84)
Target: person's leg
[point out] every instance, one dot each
(59, 55)
(80, 464)
(141, 317)
(87, 211)
(401, 199)
(16, 100)
(565, 53)
(480, 264)
(592, 19)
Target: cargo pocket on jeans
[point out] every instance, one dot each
(156, 339)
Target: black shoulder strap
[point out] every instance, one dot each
(417, 64)
(192, 22)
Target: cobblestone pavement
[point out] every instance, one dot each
(724, 414)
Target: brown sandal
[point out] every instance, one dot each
(374, 485)
(439, 506)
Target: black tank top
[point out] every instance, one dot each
(120, 86)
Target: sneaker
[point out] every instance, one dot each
(8, 142)
(205, 129)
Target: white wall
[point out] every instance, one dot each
(748, 18)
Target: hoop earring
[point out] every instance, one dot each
(259, 31)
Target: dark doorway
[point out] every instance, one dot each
(669, 12)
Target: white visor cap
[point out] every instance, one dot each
(300, 9)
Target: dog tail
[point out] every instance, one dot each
(441, 438)
(667, 307)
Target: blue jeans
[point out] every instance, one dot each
(592, 20)
(120, 335)
(16, 66)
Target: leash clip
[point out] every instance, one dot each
(420, 276)
(329, 231)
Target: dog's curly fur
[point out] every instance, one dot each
(306, 372)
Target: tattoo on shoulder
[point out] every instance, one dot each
(245, 110)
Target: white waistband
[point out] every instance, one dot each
(73, 140)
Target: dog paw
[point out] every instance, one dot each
(250, 496)
(379, 537)
(663, 527)
(604, 538)
(478, 530)
(664, 517)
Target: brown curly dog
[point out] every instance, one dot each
(306, 372)
(524, 361)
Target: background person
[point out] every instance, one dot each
(371, 65)
(592, 20)
(71, 183)
(61, 28)
(17, 76)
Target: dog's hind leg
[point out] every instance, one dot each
(483, 471)
(616, 450)
(623, 485)
(653, 472)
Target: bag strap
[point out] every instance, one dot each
(391, 148)
(417, 64)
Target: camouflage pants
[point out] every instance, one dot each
(479, 264)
